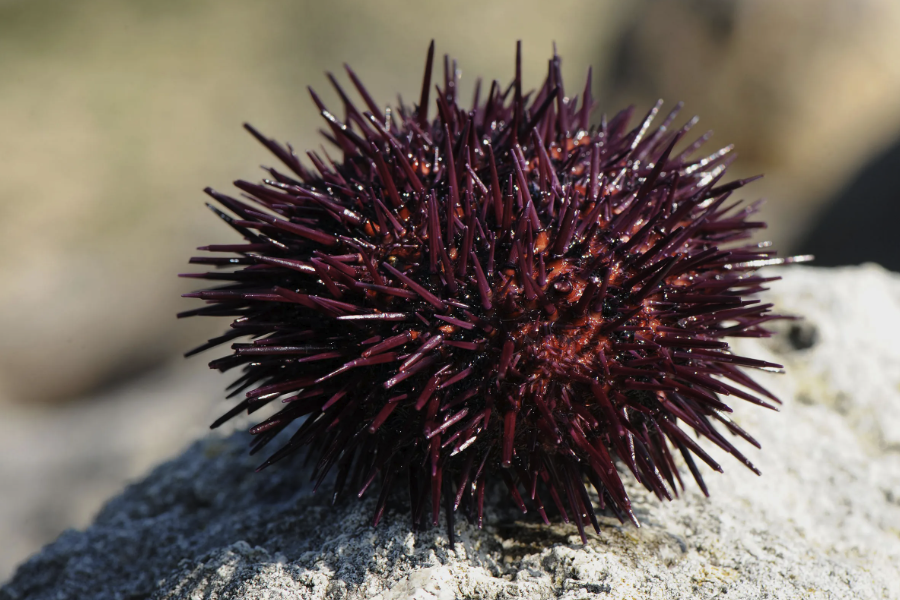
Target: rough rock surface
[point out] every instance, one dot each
(822, 522)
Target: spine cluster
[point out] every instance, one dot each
(501, 292)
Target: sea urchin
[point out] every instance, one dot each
(503, 292)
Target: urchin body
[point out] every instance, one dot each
(502, 292)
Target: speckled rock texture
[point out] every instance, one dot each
(823, 521)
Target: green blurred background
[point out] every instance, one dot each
(115, 114)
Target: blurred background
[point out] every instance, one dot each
(115, 114)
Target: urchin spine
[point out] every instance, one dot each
(503, 291)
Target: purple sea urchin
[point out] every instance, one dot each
(503, 290)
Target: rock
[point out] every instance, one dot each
(823, 521)
(58, 467)
(806, 90)
(858, 223)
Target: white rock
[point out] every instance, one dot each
(823, 521)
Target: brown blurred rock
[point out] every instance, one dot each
(807, 90)
(859, 223)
